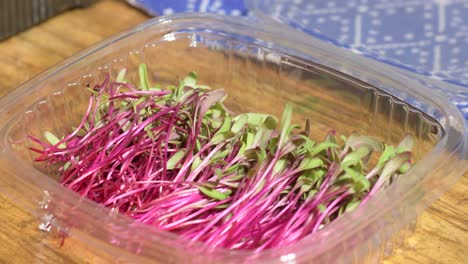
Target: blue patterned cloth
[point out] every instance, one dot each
(428, 37)
(168, 7)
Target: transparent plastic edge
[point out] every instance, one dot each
(454, 142)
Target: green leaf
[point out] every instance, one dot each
(186, 95)
(406, 144)
(143, 74)
(360, 184)
(348, 177)
(139, 101)
(306, 183)
(388, 153)
(190, 80)
(273, 145)
(322, 208)
(308, 143)
(232, 169)
(354, 157)
(310, 163)
(149, 132)
(312, 193)
(343, 138)
(249, 139)
(218, 138)
(220, 154)
(264, 132)
(175, 159)
(286, 190)
(54, 140)
(316, 175)
(241, 149)
(255, 154)
(254, 119)
(198, 145)
(218, 173)
(239, 176)
(196, 162)
(97, 117)
(333, 155)
(280, 165)
(203, 87)
(226, 124)
(215, 123)
(260, 186)
(356, 141)
(307, 127)
(215, 194)
(285, 123)
(121, 76)
(223, 206)
(352, 205)
(323, 146)
(66, 165)
(405, 167)
(239, 124)
(394, 165)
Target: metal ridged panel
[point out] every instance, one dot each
(19, 15)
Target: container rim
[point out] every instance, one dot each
(452, 145)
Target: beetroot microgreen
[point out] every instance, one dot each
(177, 159)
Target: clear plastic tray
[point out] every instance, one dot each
(261, 68)
(309, 16)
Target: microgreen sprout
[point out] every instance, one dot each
(178, 160)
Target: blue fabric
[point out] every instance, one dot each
(168, 7)
(428, 37)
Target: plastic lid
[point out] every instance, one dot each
(429, 38)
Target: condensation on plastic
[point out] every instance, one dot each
(261, 68)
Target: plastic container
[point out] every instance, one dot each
(308, 17)
(261, 68)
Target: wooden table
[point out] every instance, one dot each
(441, 232)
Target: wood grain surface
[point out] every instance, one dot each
(441, 231)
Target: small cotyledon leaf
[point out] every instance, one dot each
(253, 119)
(323, 146)
(190, 80)
(356, 141)
(388, 153)
(121, 76)
(310, 163)
(143, 74)
(285, 123)
(196, 162)
(54, 140)
(218, 138)
(226, 125)
(361, 183)
(354, 157)
(322, 208)
(264, 132)
(215, 194)
(406, 144)
(395, 164)
(240, 123)
(352, 205)
(280, 165)
(175, 159)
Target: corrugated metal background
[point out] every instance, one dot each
(19, 15)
